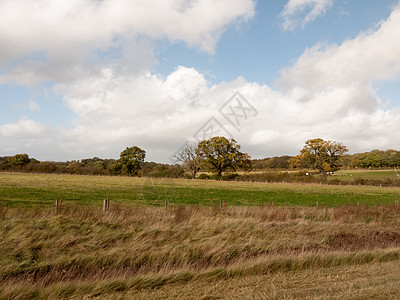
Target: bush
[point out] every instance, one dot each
(277, 177)
(230, 177)
(216, 177)
(162, 171)
(203, 176)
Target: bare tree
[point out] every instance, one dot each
(188, 155)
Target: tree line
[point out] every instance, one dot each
(219, 157)
(88, 166)
(217, 154)
(375, 159)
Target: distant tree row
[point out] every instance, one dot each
(271, 163)
(217, 155)
(376, 159)
(90, 166)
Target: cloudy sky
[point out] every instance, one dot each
(85, 78)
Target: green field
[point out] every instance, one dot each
(348, 175)
(194, 249)
(18, 189)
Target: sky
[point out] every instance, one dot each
(88, 78)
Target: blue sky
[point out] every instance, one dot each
(259, 49)
(84, 78)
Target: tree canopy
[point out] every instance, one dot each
(220, 154)
(19, 160)
(130, 160)
(321, 154)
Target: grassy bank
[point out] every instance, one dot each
(195, 251)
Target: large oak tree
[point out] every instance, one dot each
(130, 160)
(323, 155)
(221, 154)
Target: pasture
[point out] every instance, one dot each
(19, 189)
(367, 174)
(194, 249)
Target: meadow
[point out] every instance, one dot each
(348, 247)
(19, 190)
(379, 174)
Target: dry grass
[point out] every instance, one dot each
(256, 252)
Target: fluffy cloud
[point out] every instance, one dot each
(25, 128)
(61, 40)
(370, 56)
(301, 12)
(59, 26)
(328, 92)
(160, 114)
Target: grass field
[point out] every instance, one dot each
(367, 174)
(194, 249)
(18, 189)
(198, 252)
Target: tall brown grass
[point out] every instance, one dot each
(82, 250)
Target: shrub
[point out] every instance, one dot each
(203, 176)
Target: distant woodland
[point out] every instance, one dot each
(375, 159)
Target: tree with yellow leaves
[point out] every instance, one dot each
(221, 154)
(323, 155)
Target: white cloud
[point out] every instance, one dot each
(301, 12)
(99, 53)
(24, 128)
(328, 92)
(61, 40)
(59, 26)
(370, 56)
(33, 106)
(160, 114)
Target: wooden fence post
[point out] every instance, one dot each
(106, 204)
(166, 203)
(317, 204)
(57, 206)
